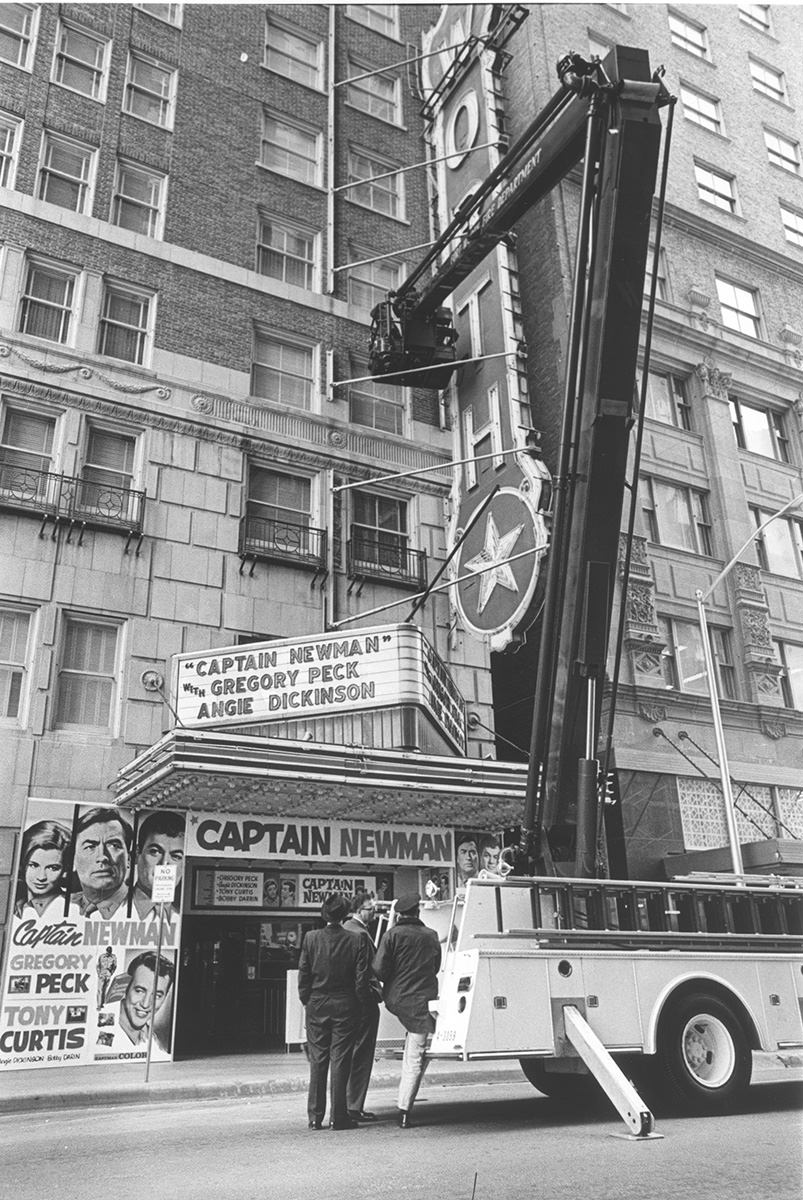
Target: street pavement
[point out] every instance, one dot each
(258, 1075)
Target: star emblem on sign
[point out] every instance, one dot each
(492, 561)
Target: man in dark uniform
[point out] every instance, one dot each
(334, 987)
(362, 1062)
(407, 962)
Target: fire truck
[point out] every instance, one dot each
(675, 982)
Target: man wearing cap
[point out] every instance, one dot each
(362, 1062)
(334, 987)
(407, 962)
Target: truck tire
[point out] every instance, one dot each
(703, 1054)
(578, 1090)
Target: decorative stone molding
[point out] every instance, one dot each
(713, 381)
(774, 730)
(652, 712)
(748, 583)
(790, 336)
(639, 562)
(203, 404)
(697, 297)
(646, 662)
(133, 389)
(640, 605)
(756, 628)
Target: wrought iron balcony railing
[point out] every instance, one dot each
(69, 498)
(385, 557)
(270, 539)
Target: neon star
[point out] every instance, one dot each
(494, 555)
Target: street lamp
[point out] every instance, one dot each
(713, 690)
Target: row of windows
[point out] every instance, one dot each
(692, 36)
(718, 188)
(706, 111)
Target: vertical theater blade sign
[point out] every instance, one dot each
(499, 500)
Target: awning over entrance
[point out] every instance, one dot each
(216, 772)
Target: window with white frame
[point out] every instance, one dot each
(66, 173)
(377, 185)
(667, 400)
(150, 90)
(379, 529)
(683, 660)
(87, 684)
(384, 18)
(374, 404)
(123, 330)
(471, 310)
(791, 655)
(10, 137)
(282, 370)
(677, 516)
(292, 149)
(688, 35)
(714, 187)
(661, 286)
(169, 13)
(759, 430)
(109, 458)
(782, 152)
(287, 251)
(296, 55)
(377, 93)
(370, 281)
(702, 110)
(47, 301)
(767, 80)
(757, 16)
(278, 498)
(15, 629)
(81, 61)
(26, 448)
(482, 435)
(779, 546)
(17, 33)
(739, 307)
(139, 199)
(792, 221)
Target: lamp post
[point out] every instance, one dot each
(713, 690)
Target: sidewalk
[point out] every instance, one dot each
(236, 1075)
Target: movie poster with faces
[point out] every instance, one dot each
(81, 967)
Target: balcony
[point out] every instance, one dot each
(385, 558)
(267, 539)
(67, 498)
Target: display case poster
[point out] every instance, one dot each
(81, 964)
(474, 852)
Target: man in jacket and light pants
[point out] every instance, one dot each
(407, 962)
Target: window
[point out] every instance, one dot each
(756, 15)
(689, 35)
(780, 545)
(86, 688)
(482, 435)
(171, 13)
(65, 176)
(380, 530)
(286, 251)
(282, 371)
(276, 524)
(10, 130)
(124, 323)
(370, 282)
(661, 287)
(17, 32)
(15, 625)
(667, 400)
(149, 91)
(26, 444)
(138, 201)
(739, 307)
(377, 185)
(80, 62)
(293, 54)
(767, 80)
(291, 149)
(109, 458)
(715, 188)
(792, 225)
(274, 496)
(377, 405)
(377, 94)
(381, 17)
(759, 430)
(791, 655)
(683, 660)
(471, 311)
(47, 302)
(782, 152)
(677, 516)
(701, 109)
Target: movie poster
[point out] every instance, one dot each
(81, 965)
(475, 852)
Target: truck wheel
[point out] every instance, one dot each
(703, 1053)
(568, 1088)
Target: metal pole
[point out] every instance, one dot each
(153, 991)
(724, 773)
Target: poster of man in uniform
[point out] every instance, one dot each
(82, 980)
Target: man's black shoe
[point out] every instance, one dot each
(356, 1115)
(344, 1125)
(316, 1125)
(405, 1119)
